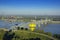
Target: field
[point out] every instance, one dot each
(26, 35)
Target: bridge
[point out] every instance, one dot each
(26, 24)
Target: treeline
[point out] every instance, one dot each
(22, 28)
(56, 19)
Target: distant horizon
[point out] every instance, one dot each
(29, 15)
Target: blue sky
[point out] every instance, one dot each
(29, 7)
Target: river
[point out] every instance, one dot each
(53, 28)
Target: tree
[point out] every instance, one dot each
(10, 30)
(26, 28)
(22, 28)
(18, 28)
(56, 36)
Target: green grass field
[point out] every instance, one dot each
(25, 35)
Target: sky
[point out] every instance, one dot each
(29, 7)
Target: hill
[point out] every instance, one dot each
(26, 35)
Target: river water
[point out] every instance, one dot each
(53, 28)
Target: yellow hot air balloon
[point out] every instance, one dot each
(32, 26)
